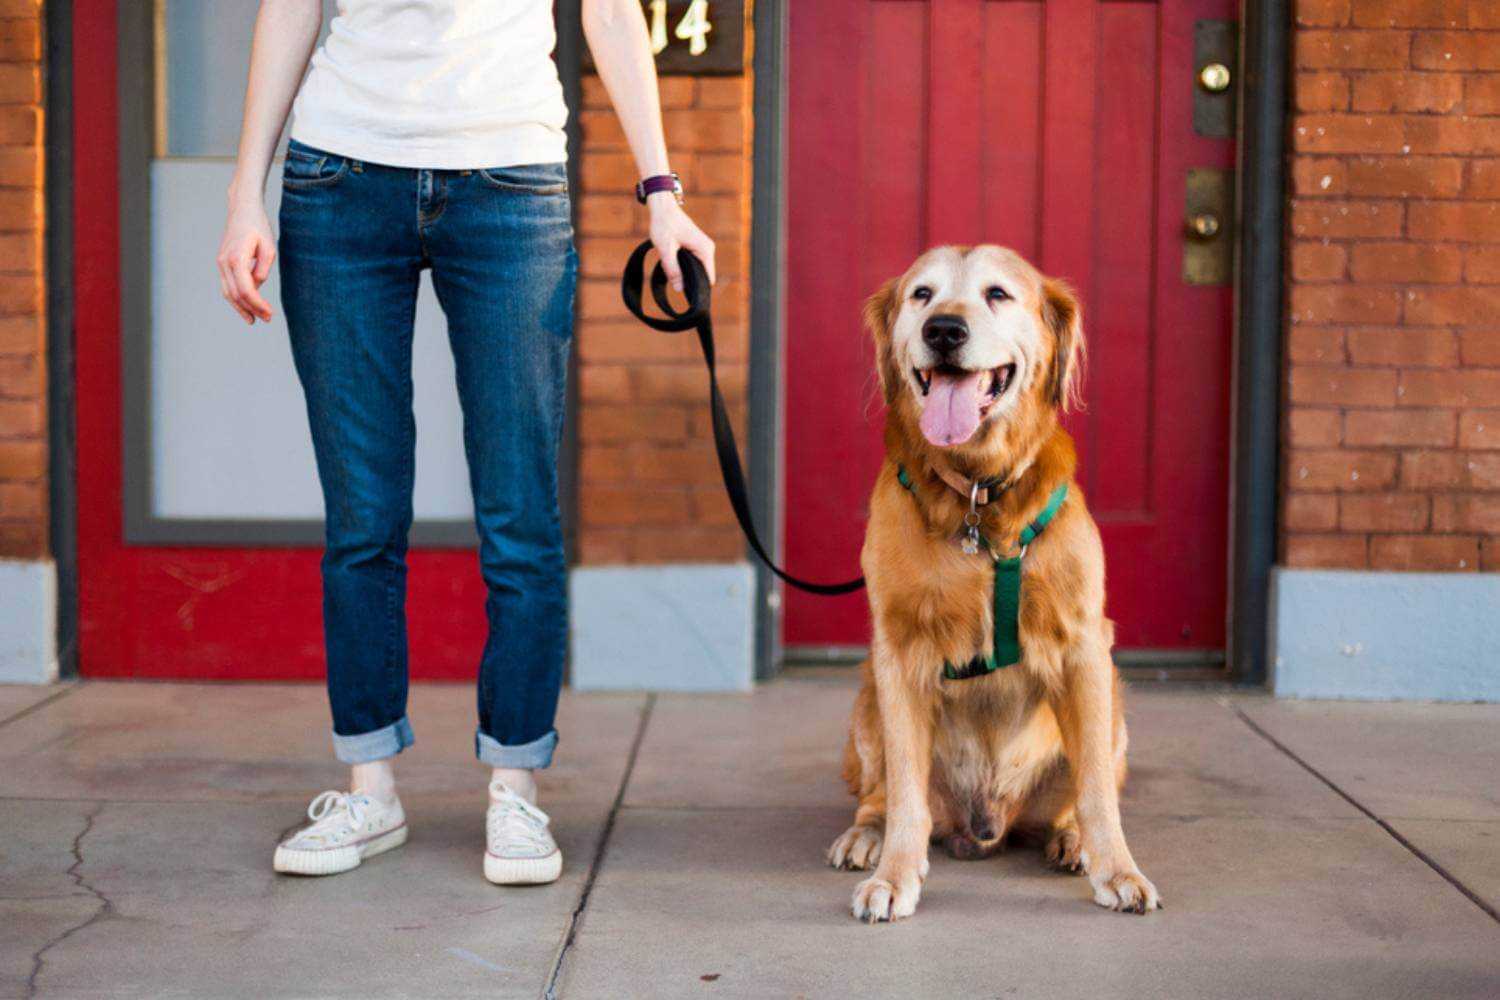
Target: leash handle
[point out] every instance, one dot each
(697, 316)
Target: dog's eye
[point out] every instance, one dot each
(995, 294)
(922, 293)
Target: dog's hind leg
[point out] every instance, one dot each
(1064, 850)
(858, 847)
(1051, 820)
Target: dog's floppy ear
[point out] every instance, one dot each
(879, 313)
(1064, 317)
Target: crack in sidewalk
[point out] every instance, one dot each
(600, 849)
(105, 909)
(1395, 834)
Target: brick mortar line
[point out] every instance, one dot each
(1396, 835)
(575, 920)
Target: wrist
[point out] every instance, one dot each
(649, 187)
(242, 195)
(661, 201)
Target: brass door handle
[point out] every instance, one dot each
(1208, 226)
(1204, 225)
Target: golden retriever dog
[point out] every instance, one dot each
(977, 355)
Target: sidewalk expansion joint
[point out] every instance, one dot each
(38, 706)
(600, 850)
(1395, 834)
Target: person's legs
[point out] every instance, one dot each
(350, 264)
(504, 270)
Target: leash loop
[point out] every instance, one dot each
(696, 316)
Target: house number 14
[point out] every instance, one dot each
(693, 28)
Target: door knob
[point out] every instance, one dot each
(1214, 78)
(1204, 225)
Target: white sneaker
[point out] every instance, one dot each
(519, 848)
(345, 830)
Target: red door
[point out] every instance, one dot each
(1062, 128)
(181, 611)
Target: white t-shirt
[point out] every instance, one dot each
(441, 84)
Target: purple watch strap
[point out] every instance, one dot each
(651, 185)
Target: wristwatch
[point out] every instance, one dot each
(661, 182)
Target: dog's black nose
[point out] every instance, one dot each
(945, 332)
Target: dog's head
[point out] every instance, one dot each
(970, 339)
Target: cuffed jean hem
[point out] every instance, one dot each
(377, 745)
(536, 754)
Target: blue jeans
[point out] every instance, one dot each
(354, 240)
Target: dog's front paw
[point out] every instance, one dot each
(887, 896)
(1127, 891)
(856, 848)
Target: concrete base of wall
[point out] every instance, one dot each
(28, 622)
(1382, 636)
(663, 628)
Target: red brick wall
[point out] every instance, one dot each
(23, 413)
(1392, 422)
(649, 490)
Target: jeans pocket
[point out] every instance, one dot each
(307, 167)
(530, 178)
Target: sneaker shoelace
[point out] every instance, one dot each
(515, 822)
(333, 813)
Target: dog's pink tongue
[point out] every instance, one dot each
(950, 414)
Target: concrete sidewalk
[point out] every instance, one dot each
(1304, 850)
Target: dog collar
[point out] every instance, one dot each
(979, 492)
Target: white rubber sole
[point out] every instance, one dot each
(523, 871)
(332, 861)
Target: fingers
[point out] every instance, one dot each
(265, 256)
(245, 283)
(226, 289)
(667, 248)
(246, 294)
(244, 264)
(697, 244)
(703, 248)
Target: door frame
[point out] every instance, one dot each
(1260, 288)
(1257, 331)
(767, 381)
(62, 435)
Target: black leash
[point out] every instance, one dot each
(696, 316)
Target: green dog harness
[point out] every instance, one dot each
(1006, 650)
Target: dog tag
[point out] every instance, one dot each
(969, 544)
(970, 541)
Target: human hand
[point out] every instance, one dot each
(245, 257)
(672, 229)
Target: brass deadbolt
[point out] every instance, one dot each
(1204, 225)
(1214, 77)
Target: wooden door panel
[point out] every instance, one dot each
(1061, 128)
(1011, 153)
